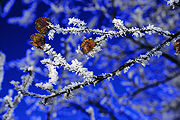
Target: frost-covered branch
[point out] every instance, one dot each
(100, 41)
(149, 47)
(27, 80)
(90, 110)
(58, 60)
(117, 23)
(96, 79)
(2, 59)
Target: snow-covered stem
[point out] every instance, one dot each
(145, 57)
(2, 59)
(9, 113)
(117, 23)
(27, 93)
(90, 110)
(58, 60)
(122, 31)
(79, 23)
(27, 80)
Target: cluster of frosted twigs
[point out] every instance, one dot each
(89, 48)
